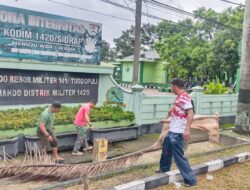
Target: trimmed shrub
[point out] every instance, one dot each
(215, 87)
(28, 118)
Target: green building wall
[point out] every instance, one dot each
(153, 72)
(149, 72)
(127, 72)
(160, 73)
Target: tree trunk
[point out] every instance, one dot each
(242, 124)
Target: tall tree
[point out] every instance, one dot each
(107, 53)
(224, 54)
(202, 47)
(182, 47)
(242, 122)
(105, 47)
(125, 43)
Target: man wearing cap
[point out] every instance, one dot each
(45, 132)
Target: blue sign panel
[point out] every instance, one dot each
(26, 34)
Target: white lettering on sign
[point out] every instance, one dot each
(42, 22)
(10, 92)
(84, 81)
(31, 86)
(19, 79)
(36, 92)
(11, 17)
(44, 80)
(83, 92)
(65, 39)
(64, 92)
(3, 78)
(17, 33)
(25, 43)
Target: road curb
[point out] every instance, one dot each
(160, 178)
(174, 176)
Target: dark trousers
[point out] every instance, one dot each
(173, 147)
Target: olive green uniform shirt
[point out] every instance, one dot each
(47, 117)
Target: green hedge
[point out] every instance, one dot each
(28, 118)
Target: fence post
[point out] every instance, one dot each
(197, 96)
(137, 101)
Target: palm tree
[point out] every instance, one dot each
(242, 121)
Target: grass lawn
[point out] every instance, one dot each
(223, 179)
(227, 126)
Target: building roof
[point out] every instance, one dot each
(150, 55)
(110, 64)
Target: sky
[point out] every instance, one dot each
(113, 27)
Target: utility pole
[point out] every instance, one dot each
(242, 122)
(137, 40)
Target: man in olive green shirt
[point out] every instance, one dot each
(45, 132)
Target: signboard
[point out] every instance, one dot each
(26, 34)
(37, 87)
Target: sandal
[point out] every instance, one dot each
(59, 161)
(60, 158)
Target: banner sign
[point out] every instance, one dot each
(26, 34)
(38, 87)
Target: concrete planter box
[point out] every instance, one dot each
(150, 128)
(227, 119)
(9, 146)
(196, 134)
(66, 141)
(115, 134)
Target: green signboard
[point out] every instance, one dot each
(26, 34)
